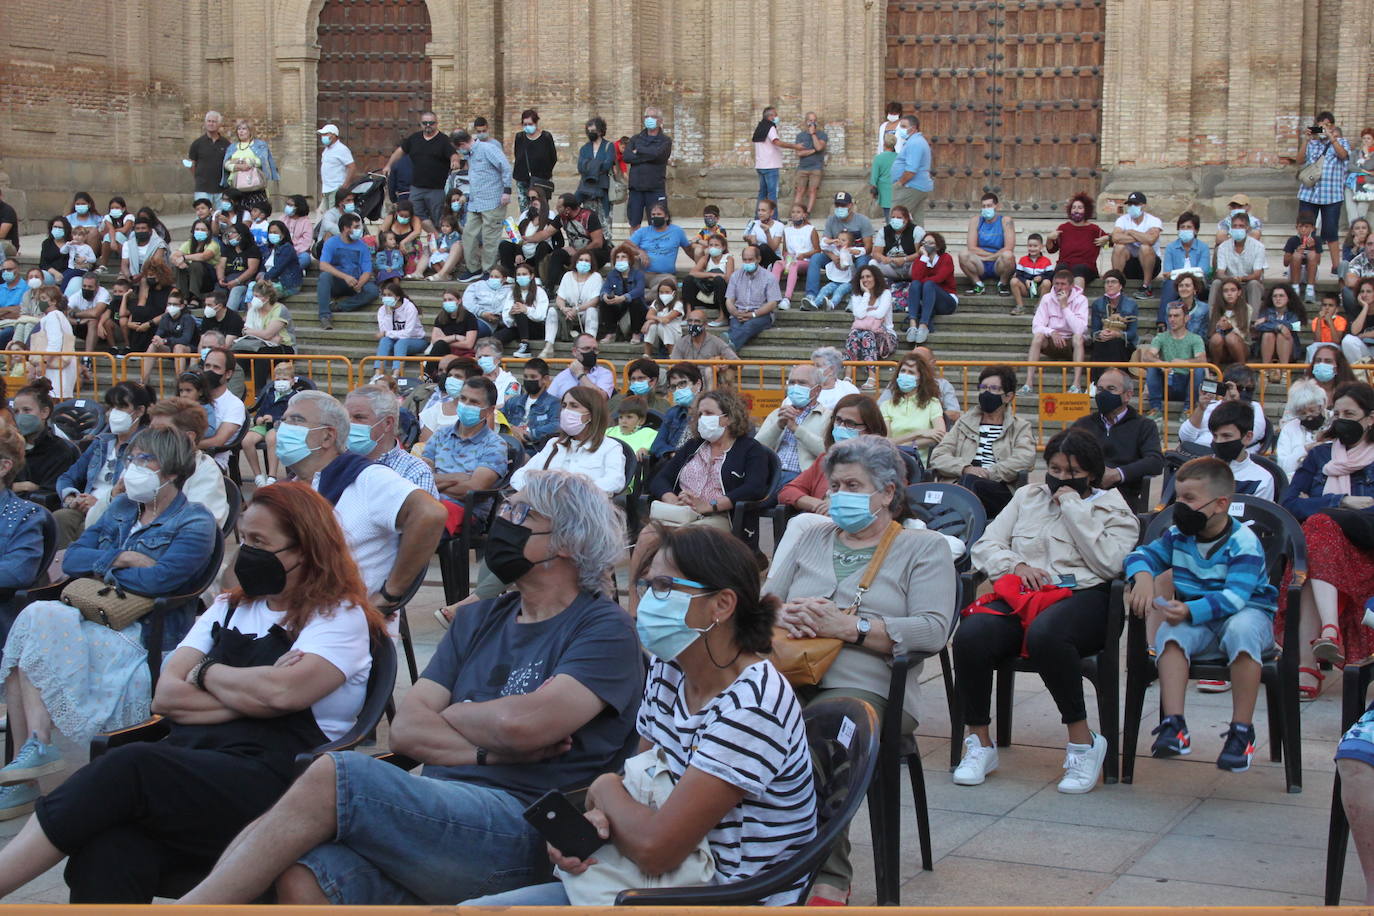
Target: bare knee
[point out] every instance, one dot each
(298, 886)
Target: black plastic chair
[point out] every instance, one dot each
(81, 419)
(1355, 681)
(232, 447)
(454, 567)
(844, 773)
(1284, 545)
(233, 496)
(403, 622)
(626, 498)
(745, 516)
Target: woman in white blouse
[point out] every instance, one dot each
(526, 312)
(664, 322)
(582, 445)
(578, 294)
(871, 336)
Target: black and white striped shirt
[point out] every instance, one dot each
(751, 736)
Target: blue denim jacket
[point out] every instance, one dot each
(21, 550)
(180, 540)
(262, 151)
(1310, 478)
(618, 284)
(1125, 306)
(541, 417)
(79, 477)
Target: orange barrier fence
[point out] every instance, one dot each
(74, 373)
(331, 373)
(370, 366)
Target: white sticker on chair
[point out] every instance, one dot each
(1236, 510)
(934, 496)
(846, 734)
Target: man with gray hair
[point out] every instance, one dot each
(205, 159)
(536, 690)
(796, 430)
(830, 363)
(390, 524)
(374, 416)
(647, 155)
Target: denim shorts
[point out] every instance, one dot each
(1248, 631)
(1358, 741)
(407, 840)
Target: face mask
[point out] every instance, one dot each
(89, 295)
(360, 438)
(709, 428)
(1228, 451)
(208, 312)
(173, 310)
(7, 276)
(1190, 521)
(658, 222)
(225, 206)
(750, 266)
(695, 330)
(1347, 432)
(350, 207)
(469, 415)
(479, 136)
(799, 222)
(988, 402)
(121, 421)
(662, 624)
(452, 387)
(1312, 424)
(532, 388)
(205, 351)
(28, 424)
(403, 220)
(592, 135)
(841, 433)
(1134, 211)
(529, 129)
(274, 238)
(116, 214)
(583, 267)
(259, 572)
(34, 282)
(1323, 372)
(842, 213)
(213, 379)
(710, 221)
(666, 298)
(201, 235)
(141, 484)
(505, 554)
(82, 209)
(929, 249)
(450, 306)
(892, 119)
(851, 510)
(522, 280)
(897, 224)
(1078, 484)
(640, 386)
(714, 252)
(1108, 402)
(902, 133)
(281, 385)
(571, 422)
(650, 123)
(799, 395)
(357, 235)
(257, 302)
(291, 444)
(389, 302)
(1238, 234)
(622, 266)
(1186, 235)
(142, 237)
(987, 213)
(59, 233)
(588, 359)
(289, 209)
(683, 397)
(493, 283)
(487, 364)
(906, 382)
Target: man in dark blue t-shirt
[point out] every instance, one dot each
(345, 270)
(536, 690)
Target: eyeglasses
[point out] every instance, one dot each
(144, 459)
(990, 390)
(850, 424)
(661, 586)
(516, 513)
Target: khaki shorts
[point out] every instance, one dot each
(809, 179)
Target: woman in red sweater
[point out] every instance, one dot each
(932, 287)
(1079, 240)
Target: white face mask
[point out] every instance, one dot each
(174, 311)
(209, 311)
(709, 428)
(141, 484)
(281, 385)
(257, 303)
(121, 421)
(666, 298)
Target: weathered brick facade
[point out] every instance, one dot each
(1199, 95)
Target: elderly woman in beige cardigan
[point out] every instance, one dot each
(816, 572)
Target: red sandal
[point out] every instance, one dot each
(1309, 692)
(1328, 649)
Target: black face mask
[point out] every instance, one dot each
(1312, 424)
(1228, 451)
(1347, 432)
(592, 135)
(213, 379)
(506, 550)
(1190, 521)
(588, 359)
(695, 330)
(1079, 485)
(531, 388)
(88, 294)
(989, 402)
(1108, 402)
(658, 221)
(259, 572)
(142, 237)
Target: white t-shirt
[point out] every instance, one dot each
(340, 639)
(367, 513)
(228, 409)
(1248, 471)
(334, 163)
(757, 230)
(136, 254)
(79, 303)
(1187, 432)
(797, 238)
(434, 419)
(1147, 222)
(576, 289)
(829, 397)
(605, 466)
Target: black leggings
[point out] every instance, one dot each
(713, 286)
(1057, 641)
(993, 494)
(611, 313)
(141, 812)
(524, 330)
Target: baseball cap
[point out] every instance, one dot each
(1240, 200)
(843, 198)
(1136, 198)
(329, 129)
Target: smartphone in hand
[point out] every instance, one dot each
(563, 826)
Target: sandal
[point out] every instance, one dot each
(446, 621)
(1309, 692)
(1327, 649)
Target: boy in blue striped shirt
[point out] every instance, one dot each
(1220, 603)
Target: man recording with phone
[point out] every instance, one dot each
(1326, 145)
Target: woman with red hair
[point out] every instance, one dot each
(1079, 240)
(274, 668)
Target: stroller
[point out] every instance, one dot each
(368, 192)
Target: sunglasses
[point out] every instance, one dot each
(428, 123)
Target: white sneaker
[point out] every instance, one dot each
(262, 480)
(784, 305)
(1084, 764)
(977, 763)
(548, 350)
(522, 352)
(1310, 293)
(921, 334)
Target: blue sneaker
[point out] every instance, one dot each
(1173, 740)
(17, 801)
(33, 760)
(1239, 748)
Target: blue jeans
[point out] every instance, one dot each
(1179, 393)
(815, 272)
(1249, 631)
(406, 840)
(305, 259)
(834, 293)
(927, 300)
(401, 346)
(741, 332)
(768, 184)
(550, 894)
(235, 297)
(330, 286)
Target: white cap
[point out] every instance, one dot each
(329, 129)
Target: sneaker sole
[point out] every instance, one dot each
(9, 777)
(1083, 791)
(1213, 688)
(1230, 769)
(9, 814)
(965, 781)
(1167, 752)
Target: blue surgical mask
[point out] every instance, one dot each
(584, 267)
(58, 232)
(987, 213)
(841, 433)
(487, 364)
(902, 133)
(1238, 233)
(493, 283)
(850, 510)
(274, 238)
(622, 266)
(116, 214)
(350, 207)
(650, 123)
(750, 266)
(360, 438)
(715, 251)
(82, 209)
(469, 415)
(529, 129)
(479, 136)
(799, 395)
(450, 306)
(640, 386)
(1323, 372)
(7, 276)
(897, 223)
(291, 444)
(389, 302)
(357, 235)
(906, 382)
(201, 235)
(289, 209)
(1134, 211)
(523, 280)
(662, 622)
(455, 205)
(452, 386)
(841, 213)
(683, 397)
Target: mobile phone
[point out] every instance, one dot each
(1161, 602)
(1209, 387)
(563, 826)
(1068, 580)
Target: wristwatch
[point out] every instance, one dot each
(481, 756)
(864, 625)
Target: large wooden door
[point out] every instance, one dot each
(374, 78)
(1009, 93)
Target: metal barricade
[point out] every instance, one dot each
(371, 366)
(74, 373)
(330, 372)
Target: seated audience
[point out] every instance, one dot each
(698, 344)
(484, 298)
(88, 483)
(871, 335)
(623, 293)
(218, 318)
(834, 385)
(684, 386)
(1129, 441)
(373, 420)
(48, 455)
(194, 262)
(839, 254)
(630, 428)
(1355, 764)
(584, 370)
(489, 350)
(1186, 254)
(206, 483)
(21, 538)
(990, 447)
(468, 454)
(795, 428)
(663, 325)
(582, 446)
(1307, 404)
(239, 264)
(900, 241)
(578, 298)
(643, 374)
(912, 409)
(267, 412)
(1176, 344)
(1114, 323)
(1058, 328)
(1238, 384)
(345, 271)
(1053, 551)
(1358, 344)
(991, 251)
(533, 413)
(751, 297)
(932, 291)
(854, 415)
(1032, 270)
(1241, 260)
(1302, 253)
(399, 329)
(1079, 241)
(1135, 240)
(175, 331)
(705, 283)
(281, 267)
(455, 329)
(1277, 326)
(1328, 369)
(525, 314)
(230, 414)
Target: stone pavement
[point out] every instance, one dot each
(1185, 833)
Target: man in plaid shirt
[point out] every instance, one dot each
(1326, 144)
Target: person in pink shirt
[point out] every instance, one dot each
(768, 149)
(1061, 321)
(296, 216)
